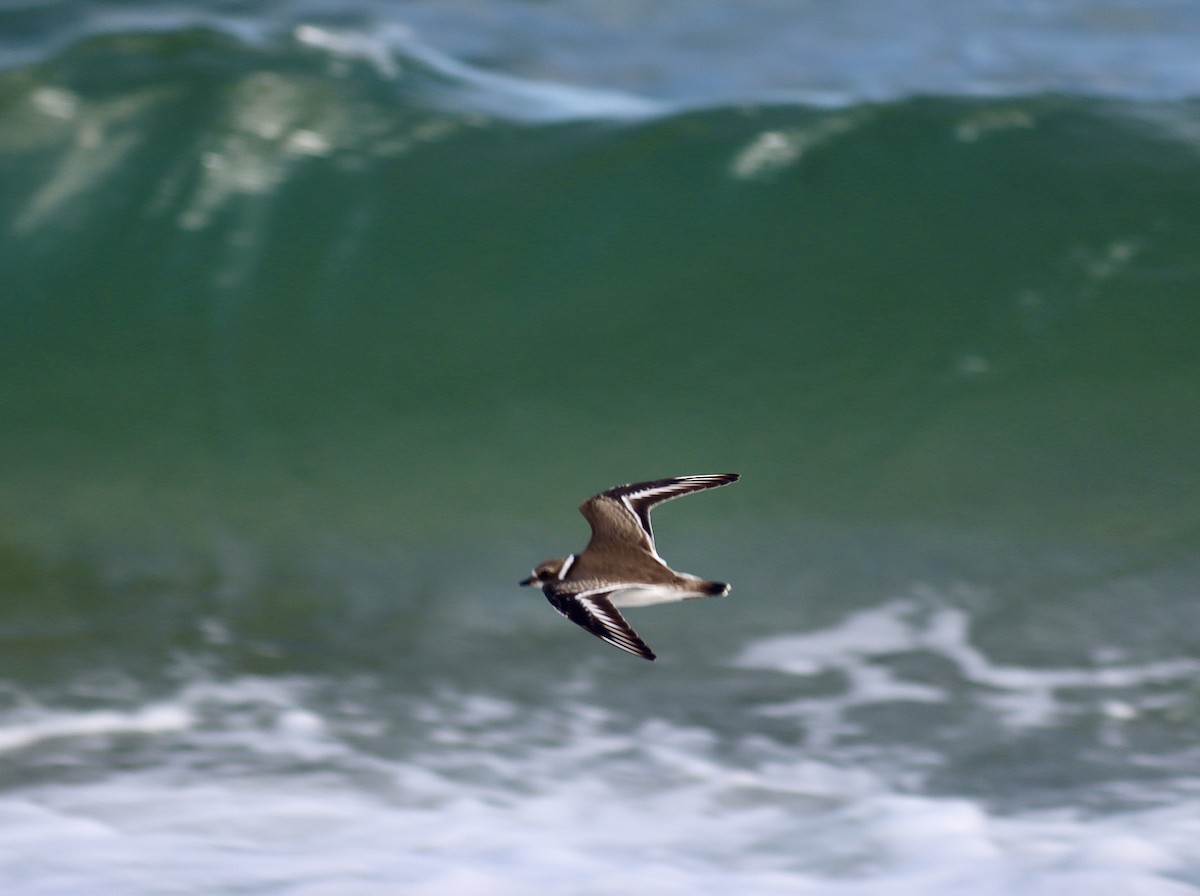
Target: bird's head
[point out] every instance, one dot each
(545, 572)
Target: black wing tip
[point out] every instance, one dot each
(643, 650)
(638, 648)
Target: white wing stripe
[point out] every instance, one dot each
(678, 487)
(612, 626)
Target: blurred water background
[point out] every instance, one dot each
(317, 321)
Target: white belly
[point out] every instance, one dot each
(648, 595)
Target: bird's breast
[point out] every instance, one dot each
(648, 595)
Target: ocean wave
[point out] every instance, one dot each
(698, 54)
(962, 273)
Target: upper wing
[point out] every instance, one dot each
(623, 513)
(593, 611)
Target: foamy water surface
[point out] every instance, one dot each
(307, 786)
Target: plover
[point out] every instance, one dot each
(620, 567)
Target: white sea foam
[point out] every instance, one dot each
(39, 726)
(254, 790)
(858, 647)
(390, 47)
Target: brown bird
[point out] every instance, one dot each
(620, 567)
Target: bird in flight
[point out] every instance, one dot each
(620, 568)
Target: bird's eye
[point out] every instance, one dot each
(543, 574)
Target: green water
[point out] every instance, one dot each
(243, 291)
